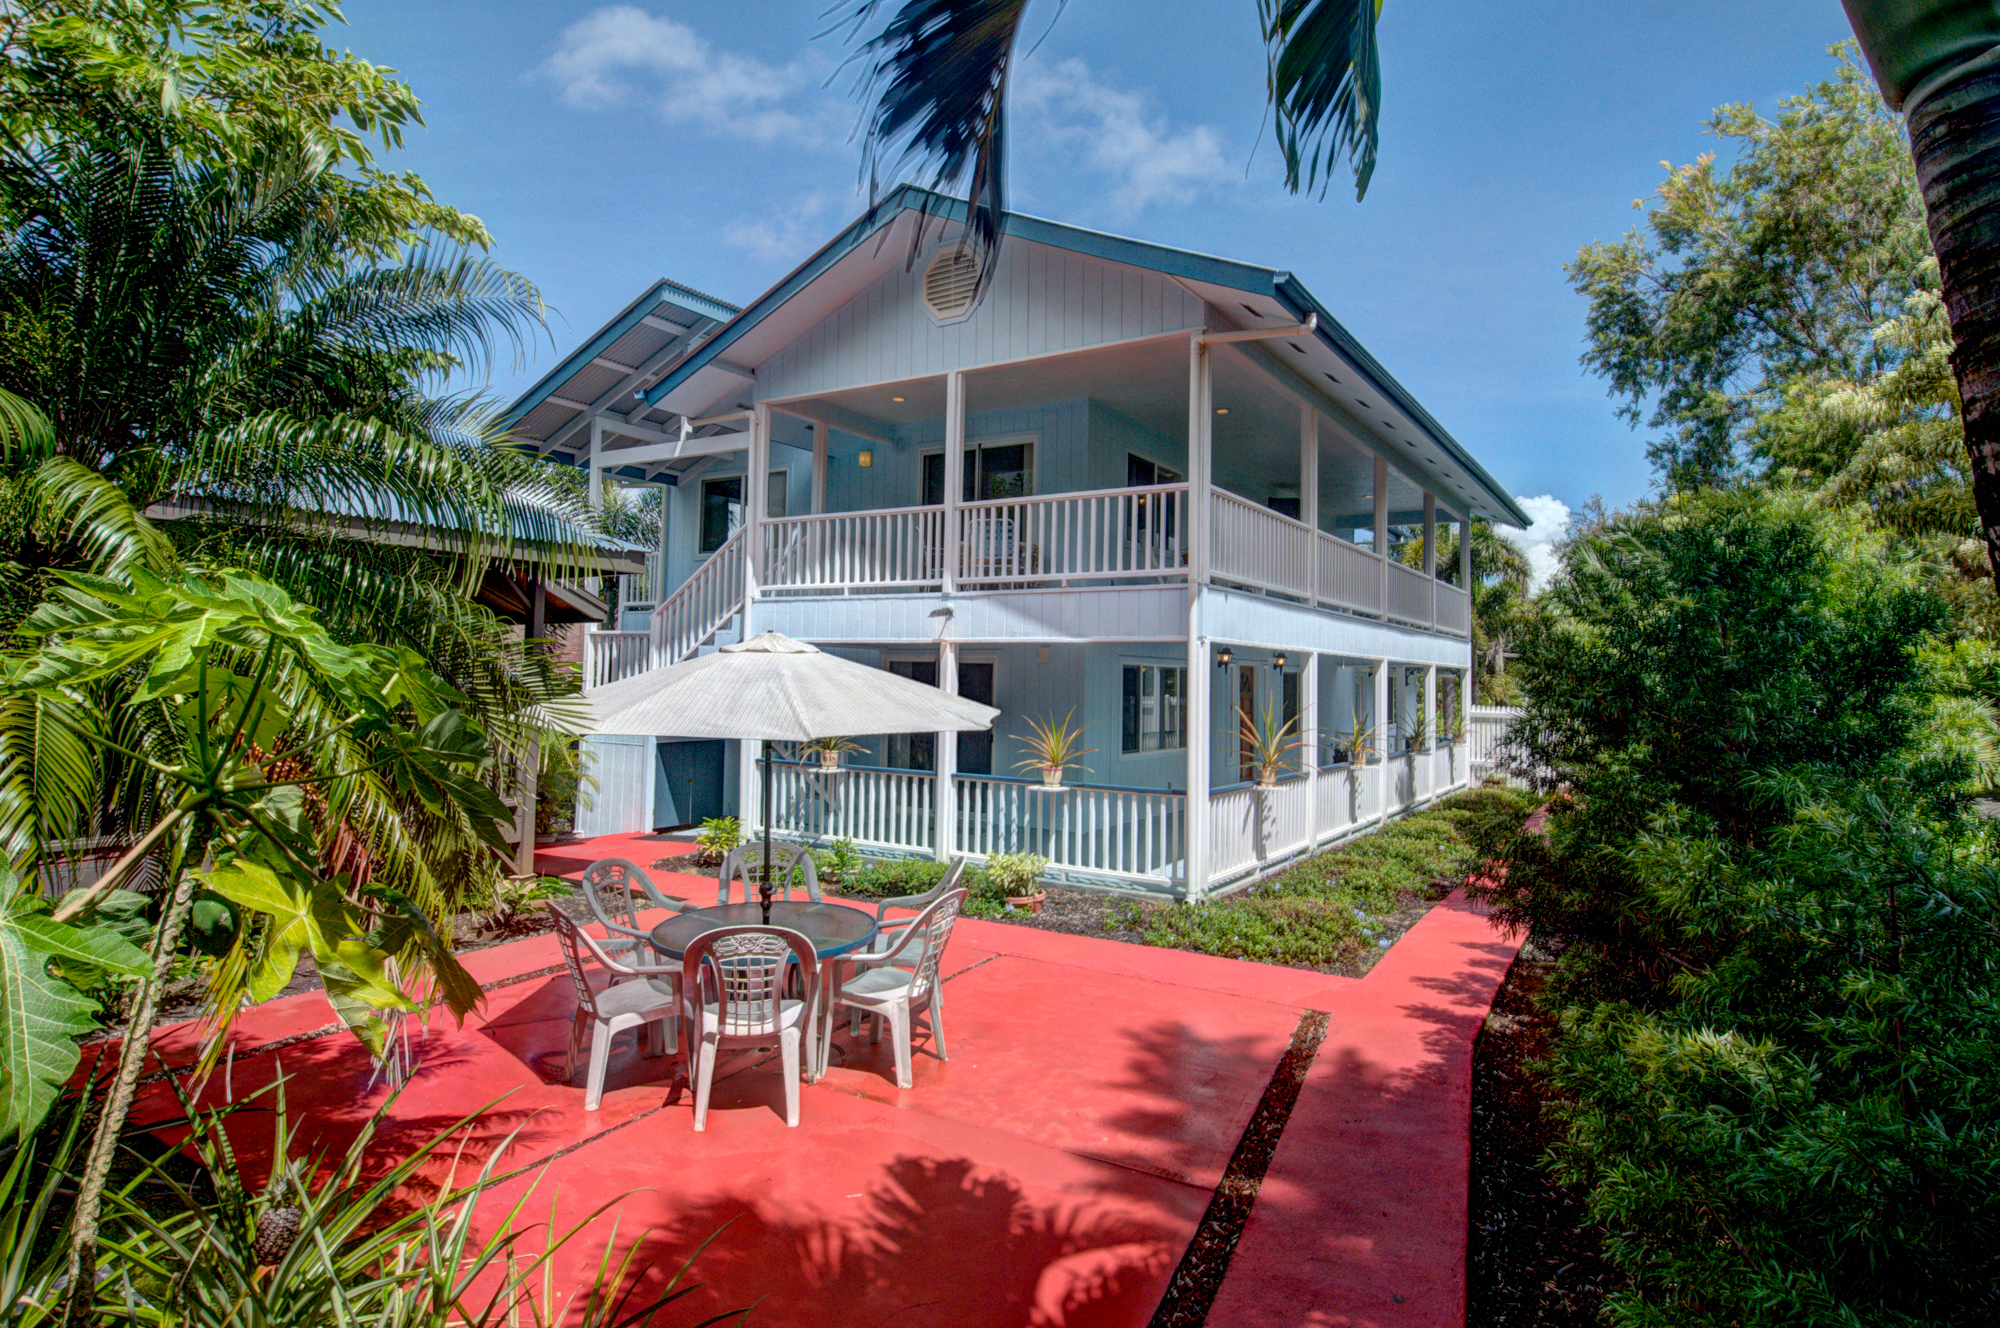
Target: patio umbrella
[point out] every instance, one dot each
(776, 689)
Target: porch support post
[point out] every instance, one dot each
(1382, 739)
(1431, 550)
(1431, 726)
(1309, 752)
(756, 498)
(596, 475)
(1201, 681)
(1465, 584)
(526, 790)
(820, 440)
(954, 472)
(1309, 491)
(946, 800)
(1382, 525)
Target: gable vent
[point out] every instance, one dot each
(949, 284)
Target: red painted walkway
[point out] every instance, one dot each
(1051, 1173)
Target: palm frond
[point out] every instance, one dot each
(937, 73)
(1325, 85)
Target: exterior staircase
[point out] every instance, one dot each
(707, 611)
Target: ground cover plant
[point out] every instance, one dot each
(1778, 983)
(1335, 908)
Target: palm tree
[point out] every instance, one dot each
(1500, 579)
(211, 343)
(1932, 58)
(937, 72)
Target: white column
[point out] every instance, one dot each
(756, 497)
(1310, 722)
(1431, 723)
(946, 800)
(1382, 766)
(1200, 477)
(1465, 584)
(1431, 549)
(1382, 525)
(954, 471)
(1200, 687)
(1309, 491)
(820, 432)
(596, 475)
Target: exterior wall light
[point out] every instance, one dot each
(1222, 658)
(1278, 660)
(867, 459)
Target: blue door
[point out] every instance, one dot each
(689, 788)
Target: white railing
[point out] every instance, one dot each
(1454, 613)
(638, 590)
(1409, 595)
(1350, 577)
(1486, 733)
(874, 807)
(1137, 834)
(1257, 547)
(702, 606)
(898, 547)
(1252, 826)
(615, 655)
(1075, 536)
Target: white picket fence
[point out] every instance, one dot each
(1486, 733)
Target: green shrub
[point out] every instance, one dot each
(894, 878)
(716, 838)
(1779, 985)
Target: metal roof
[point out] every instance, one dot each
(602, 378)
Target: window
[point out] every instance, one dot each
(1154, 716)
(918, 751)
(914, 751)
(999, 470)
(1142, 473)
(1246, 704)
(775, 496)
(721, 511)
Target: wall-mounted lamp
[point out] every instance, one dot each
(1222, 658)
(867, 459)
(1278, 660)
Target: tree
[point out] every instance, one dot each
(1932, 59)
(1747, 282)
(1500, 579)
(937, 72)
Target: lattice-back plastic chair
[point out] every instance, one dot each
(789, 862)
(885, 990)
(651, 1002)
(607, 891)
(888, 931)
(733, 984)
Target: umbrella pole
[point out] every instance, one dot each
(764, 879)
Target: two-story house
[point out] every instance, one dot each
(1144, 487)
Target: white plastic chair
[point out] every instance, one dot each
(883, 989)
(733, 983)
(787, 861)
(651, 1002)
(607, 891)
(888, 931)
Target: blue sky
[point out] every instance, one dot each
(606, 145)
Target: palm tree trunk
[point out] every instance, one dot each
(1955, 139)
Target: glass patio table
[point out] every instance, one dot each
(833, 929)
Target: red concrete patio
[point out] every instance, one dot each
(1052, 1173)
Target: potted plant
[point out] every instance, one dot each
(827, 750)
(1017, 877)
(1052, 747)
(1271, 745)
(1419, 729)
(1358, 742)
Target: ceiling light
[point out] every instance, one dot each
(1222, 410)
(899, 398)
(867, 459)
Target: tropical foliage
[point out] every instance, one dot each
(1501, 599)
(935, 75)
(1778, 982)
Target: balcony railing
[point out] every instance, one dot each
(902, 548)
(1103, 534)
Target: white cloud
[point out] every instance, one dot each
(786, 235)
(621, 55)
(1550, 516)
(1118, 134)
